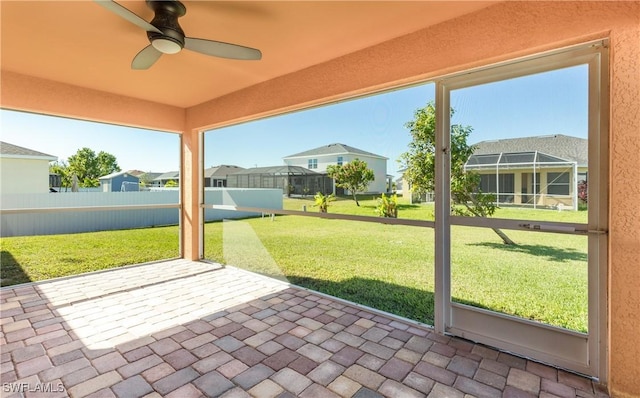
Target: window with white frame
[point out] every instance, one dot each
(312, 164)
(340, 160)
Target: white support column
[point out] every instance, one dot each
(442, 297)
(575, 186)
(498, 179)
(535, 191)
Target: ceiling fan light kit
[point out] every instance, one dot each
(167, 37)
(166, 46)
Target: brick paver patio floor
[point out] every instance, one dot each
(189, 329)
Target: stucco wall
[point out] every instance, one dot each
(379, 167)
(27, 93)
(624, 216)
(24, 176)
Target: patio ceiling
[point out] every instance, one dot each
(82, 44)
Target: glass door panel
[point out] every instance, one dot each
(522, 240)
(543, 278)
(529, 146)
(272, 204)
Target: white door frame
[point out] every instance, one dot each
(581, 352)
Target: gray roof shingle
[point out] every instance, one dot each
(170, 175)
(221, 170)
(566, 147)
(10, 150)
(333, 149)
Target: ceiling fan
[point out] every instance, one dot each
(167, 37)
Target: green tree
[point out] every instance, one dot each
(466, 196)
(354, 176)
(145, 180)
(170, 184)
(61, 169)
(107, 164)
(89, 167)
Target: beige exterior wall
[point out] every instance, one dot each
(22, 175)
(542, 198)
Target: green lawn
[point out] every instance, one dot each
(34, 258)
(389, 267)
(392, 267)
(425, 211)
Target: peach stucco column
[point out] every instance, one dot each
(624, 212)
(191, 195)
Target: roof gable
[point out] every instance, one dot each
(222, 170)
(170, 175)
(14, 151)
(118, 173)
(333, 149)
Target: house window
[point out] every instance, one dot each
(312, 164)
(340, 160)
(505, 185)
(488, 183)
(558, 183)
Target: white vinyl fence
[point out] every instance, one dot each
(54, 213)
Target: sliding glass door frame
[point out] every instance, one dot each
(583, 353)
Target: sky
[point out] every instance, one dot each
(550, 103)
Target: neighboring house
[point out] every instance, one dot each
(147, 179)
(162, 179)
(293, 180)
(23, 170)
(217, 176)
(407, 192)
(120, 181)
(532, 171)
(318, 159)
(399, 185)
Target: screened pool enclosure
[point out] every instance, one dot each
(531, 178)
(293, 180)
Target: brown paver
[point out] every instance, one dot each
(191, 329)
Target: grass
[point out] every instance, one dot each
(425, 211)
(34, 258)
(342, 258)
(389, 267)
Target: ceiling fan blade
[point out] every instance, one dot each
(221, 49)
(128, 15)
(145, 58)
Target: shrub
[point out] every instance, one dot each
(388, 206)
(583, 191)
(322, 201)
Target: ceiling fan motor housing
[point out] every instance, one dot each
(166, 20)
